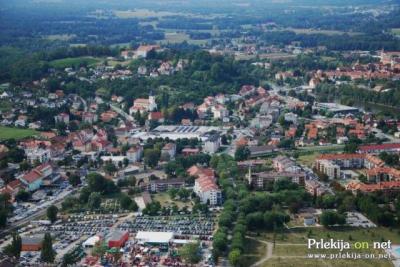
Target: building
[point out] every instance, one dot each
(89, 117)
(143, 105)
(259, 151)
(62, 117)
(208, 191)
(164, 185)
(260, 180)
(212, 144)
(134, 154)
(33, 180)
(117, 239)
(154, 238)
(205, 185)
(190, 151)
(168, 152)
(335, 108)
(376, 149)
(314, 187)
(331, 164)
(33, 243)
(284, 164)
(144, 50)
(366, 188)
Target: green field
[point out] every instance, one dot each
(73, 62)
(179, 37)
(396, 31)
(16, 133)
(291, 250)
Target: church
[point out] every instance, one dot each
(143, 105)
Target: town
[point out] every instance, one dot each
(231, 154)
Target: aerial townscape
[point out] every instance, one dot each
(200, 133)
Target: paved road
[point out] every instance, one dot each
(35, 216)
(122, 113)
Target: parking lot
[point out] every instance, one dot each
(356, 219)
(202, 226)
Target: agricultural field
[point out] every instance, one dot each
(179, 37)
(16, 133)
(59, 37)
(73, 62)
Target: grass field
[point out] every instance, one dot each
(291, 250)
(179, 37)
(165, 201)
(396, 31)
(16, 133)
(60, 37)
(73, 62)
(308, 159)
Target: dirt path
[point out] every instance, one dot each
(268, 253)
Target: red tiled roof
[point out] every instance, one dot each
(380, 147)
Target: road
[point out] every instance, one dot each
(37, 215)
(122, 113)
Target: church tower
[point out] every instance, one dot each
(152, 102)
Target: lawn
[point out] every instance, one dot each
(291, 250)
(73, 62)
(16, 133)
(307, 159)
(396, 31)
(166, 201)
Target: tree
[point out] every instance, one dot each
(47, 254)
(94, 201)
(127, 203)
(151, 157)
(183, 193)
(74, 180)
(3, 218)
(172, 192)
(23, 195)
(191, 253)
(14, 249)
(329, 218)
(110, 168)
(68, 259)
(242, 153)
(234, 257)
(52, 212)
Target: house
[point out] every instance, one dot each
(117, 239)
(62, 117)
(168, 151)
(366, 188)
(190, 151)
(212, 144)
(89, 117)
(156, 116)
(33, 180)
(134, 154)
(144, 50)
